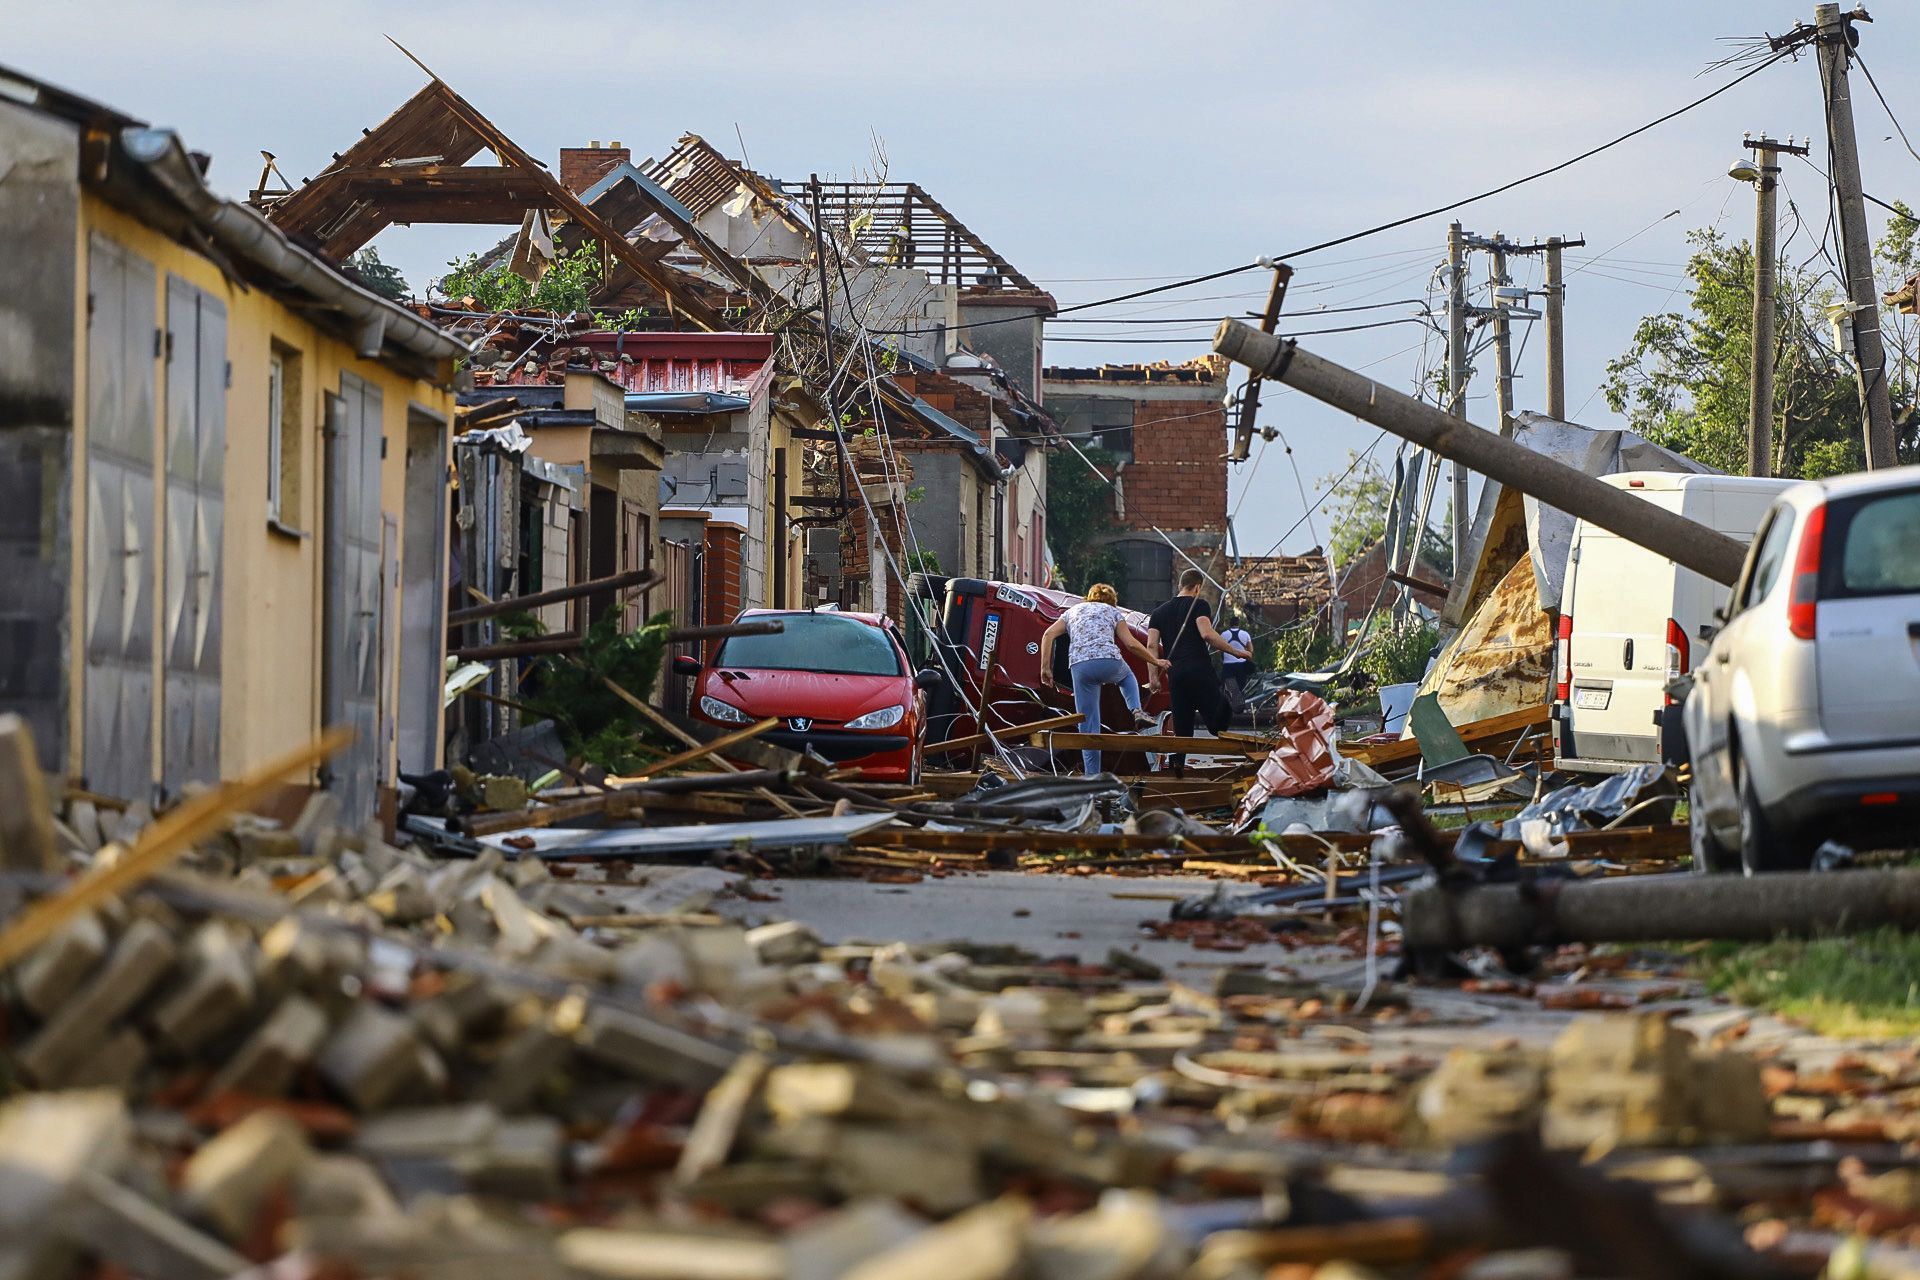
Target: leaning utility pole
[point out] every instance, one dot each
(1556, 291)
(1688, 543)
(1457, 374)
(1835, 39)
(1766, 157)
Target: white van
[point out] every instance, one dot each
(1631, 620)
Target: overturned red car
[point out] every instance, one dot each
(840, 683)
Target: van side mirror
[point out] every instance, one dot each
(1708, 630)
(685, 665)
(927, 679)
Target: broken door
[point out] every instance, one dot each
(117, 729)
(351, 572)
(196, 452)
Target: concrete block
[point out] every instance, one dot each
(1126, 1236)
(115, 1063)
(227, 1180)
(827, 1248)
(372, 1058)
(321, 811)
(635, 1046)
(47, 1142)
(521, 1161)
(136, 964)
(788, 942)
(125, 1227)
(258, 842)
(1477, 1093)
(984, 1243)
(83, 819)
(529, 1059)
(928, 1169)
(401, 896)
(330, 1186)
(1032, 1012)
(55, 969)
(217, 993)
(27, 840)
(267, 1063)
(467, 1008)
(668, 1255)
(422, 1132)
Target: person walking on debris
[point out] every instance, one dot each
(1182, 629)
(1234, 671)
(1096, 629)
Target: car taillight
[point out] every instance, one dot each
(1679, 654)
(1801, 605)
(1563, 659)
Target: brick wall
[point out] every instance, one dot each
(723, 591)
(1177, 479)
(581, 167)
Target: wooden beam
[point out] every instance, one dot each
(1155, 742)
(699, 751)
(1476, 731)
(1015, 732)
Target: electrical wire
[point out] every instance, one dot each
(1396, 223)
(1898, 128)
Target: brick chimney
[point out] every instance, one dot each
(581, 167)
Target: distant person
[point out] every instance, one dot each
(1096, 629)
(1234, 672)
(1182, 630)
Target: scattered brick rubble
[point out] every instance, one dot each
(308, 1047)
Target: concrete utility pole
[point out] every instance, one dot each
(1556, 332)
(1835, 42)
(1687, 543)
(1762, 171)
(1502, 332)
(1457, 375)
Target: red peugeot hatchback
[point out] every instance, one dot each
(840, 683)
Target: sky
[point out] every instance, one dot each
(1101, 146)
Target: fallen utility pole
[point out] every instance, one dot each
(1835, 48)
(1687, 543)
(1658, 908)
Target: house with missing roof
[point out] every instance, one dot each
(223, 463)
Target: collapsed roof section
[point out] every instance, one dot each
(414, 167)
(898, 224)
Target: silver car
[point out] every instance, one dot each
(1803, 723)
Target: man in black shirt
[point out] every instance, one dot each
(1183, 628)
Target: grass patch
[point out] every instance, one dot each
(1866, 984)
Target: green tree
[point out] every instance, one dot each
(567, 285)
(385, 280)
(1080, 520)
(1357, 515)
(1683, 381)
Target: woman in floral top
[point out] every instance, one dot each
(1096, 629)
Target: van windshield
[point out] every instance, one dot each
(815, 642)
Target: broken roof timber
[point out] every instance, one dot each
(372, 185)
(904, 226)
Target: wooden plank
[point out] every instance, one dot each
(1014, 733)
(1474, 733)
(699, 751)
(1155, 742)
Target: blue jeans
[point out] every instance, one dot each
(1089, 678)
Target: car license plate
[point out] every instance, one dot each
(1591, 699)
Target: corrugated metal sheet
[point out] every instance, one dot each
(1502, 659)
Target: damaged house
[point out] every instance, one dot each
(224, 469)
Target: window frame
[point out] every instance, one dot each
(276, 426)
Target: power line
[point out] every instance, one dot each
(1396, 223)
(1884, 107)
(1312, 311)
(1298, 333)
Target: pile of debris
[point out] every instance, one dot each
(233, 1044)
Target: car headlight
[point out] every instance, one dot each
(884, 718)
(725, 712)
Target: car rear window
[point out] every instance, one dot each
(815, 642)
(1873, 543)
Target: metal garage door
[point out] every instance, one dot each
(352, 575)
(196, 451)
(117, 727)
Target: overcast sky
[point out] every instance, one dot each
(1100, 147)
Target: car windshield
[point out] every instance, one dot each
(1881, 554)
(815, 642)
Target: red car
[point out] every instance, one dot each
(840, 682)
